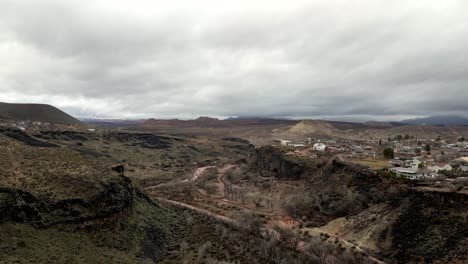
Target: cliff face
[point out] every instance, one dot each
(432, 226)
(119, 221)
(58, 206)
(416, 226)
(405, 224)
(114, 197)
(274, 162)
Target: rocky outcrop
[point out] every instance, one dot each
(16, 205)
(145, 140)
(432, 226)
(414, 227)
(271, 161)
(25, 138)
(112, 219)
(237, 140)
(64, 135)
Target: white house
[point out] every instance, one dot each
(409, 173)
(297, 145)
(440, 167)
(319, 147)
(415, 163)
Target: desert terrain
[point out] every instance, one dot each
(221, 191)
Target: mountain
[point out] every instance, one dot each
(35, 112)
(313, 127)
(438, 120)
(115, 123)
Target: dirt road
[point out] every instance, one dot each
(222, 199)
(194, 177)
(221, 218)
(299, 246)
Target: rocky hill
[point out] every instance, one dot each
(417, 226)
(398, 222)
(58, 206)
(35, 112)
(63, 202)
(346, 130)
(271, 161)
(314, 127)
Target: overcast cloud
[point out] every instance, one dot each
(336, 59)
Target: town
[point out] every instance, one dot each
(437, 160)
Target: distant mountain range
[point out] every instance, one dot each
(438, 121)
(35, 112)
(51, 114)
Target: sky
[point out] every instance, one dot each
(341, 60)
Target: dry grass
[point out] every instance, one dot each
(376, 164)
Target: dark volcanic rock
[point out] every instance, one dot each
(24, 207)
(237, 140)
(273, 161)
(25, 138)
(119, 168)
(145, 140)
(431, 227)
(153, 245)
(64, 135)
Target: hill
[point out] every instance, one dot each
(58, 206)
(35, 112)
(438, 120)
(314, 127)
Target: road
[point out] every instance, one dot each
(300, 245)
(221, 174)
(223, 199)
(221, 218)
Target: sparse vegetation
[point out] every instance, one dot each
(258, 188)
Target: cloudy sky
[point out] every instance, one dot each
(371, 59)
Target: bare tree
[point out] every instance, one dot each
(257, 201)
(269, 204)
(187, 191)
(240, 193)
(210, 189)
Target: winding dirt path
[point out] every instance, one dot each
(198, 172)
(300, 245)
(221, 218)
(221, 174)
(223, 199)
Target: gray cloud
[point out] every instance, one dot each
(374, 59)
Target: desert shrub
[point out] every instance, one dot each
(250, 222)
(234, 176)
(332, 203)
(201, 252)
(302, 204)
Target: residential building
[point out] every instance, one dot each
(319, 146)
(440, 167)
